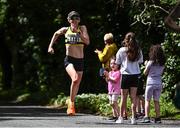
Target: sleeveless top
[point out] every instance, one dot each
(73, 38)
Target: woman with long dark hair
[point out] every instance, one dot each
(129, 57)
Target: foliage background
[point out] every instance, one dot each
(26, 28)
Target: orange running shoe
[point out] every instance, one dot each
(70, 107)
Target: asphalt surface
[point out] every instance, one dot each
(40, 116)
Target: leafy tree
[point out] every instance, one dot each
(29, 25)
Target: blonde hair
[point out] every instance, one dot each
(108, 36)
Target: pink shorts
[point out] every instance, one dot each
(153, 91)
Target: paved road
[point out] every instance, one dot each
(39, 116)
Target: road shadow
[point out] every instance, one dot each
(10, 109)
(31, 111)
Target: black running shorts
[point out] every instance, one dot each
(78, 63)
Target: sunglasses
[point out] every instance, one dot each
(75, 18)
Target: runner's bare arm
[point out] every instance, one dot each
(84, 34)
(59, 32)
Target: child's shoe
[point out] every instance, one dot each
(120, 120)
(139, 115)
(133, 121)
(113, 118)
(146, 120)
(157, 120)
(125, 118)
